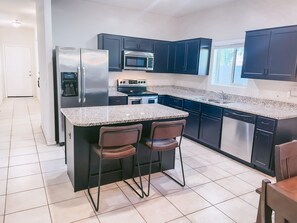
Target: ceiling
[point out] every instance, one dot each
(174, 8)
(22, 10)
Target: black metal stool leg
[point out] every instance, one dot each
(149, 179)
(183, 183)
(99, 183)
(141, 195)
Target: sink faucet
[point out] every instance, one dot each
(223, 95)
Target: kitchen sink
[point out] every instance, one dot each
(213, 100)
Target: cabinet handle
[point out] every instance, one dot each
(264, 123)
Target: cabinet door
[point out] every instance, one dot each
(179, 60)
(192, 51)
(192, 125)
(117, 100)
(210, 130)
(283, 54)
(262, 148)
(146, 45)
(161, 53)
(114, 45)
(131, 43)
(256, 54)
(204, 56)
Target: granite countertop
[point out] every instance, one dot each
(106, 115)
(263, 107)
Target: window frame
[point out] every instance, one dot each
(239, 44)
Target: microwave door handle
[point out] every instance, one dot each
(79, 84)
(84, 84)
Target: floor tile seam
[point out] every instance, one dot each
(210, 178)
(22, 154)
(27, 209)
(248, 202)
(226, 214)
(5, 200)
(23, 164)
(47, 201)
(134, 205)
(67, 199)
(231, 191)
(235, 196)
(30, 175)
(247, 181)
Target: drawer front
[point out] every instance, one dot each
(212, 110)
(117, 100)
(267, 124)
(192, 106)
(175, 102)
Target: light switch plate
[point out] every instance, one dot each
(293, 91)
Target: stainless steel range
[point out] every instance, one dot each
(137, 91)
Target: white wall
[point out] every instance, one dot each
(16, 36)
(229, 22)
(44, 35)
(76, 23)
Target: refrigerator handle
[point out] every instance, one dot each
(79, 84)
(84, 85)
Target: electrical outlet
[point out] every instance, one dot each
(293, 91)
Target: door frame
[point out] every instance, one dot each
(33, 69)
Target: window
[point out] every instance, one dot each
(227, 66)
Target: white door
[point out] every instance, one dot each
(18, 71)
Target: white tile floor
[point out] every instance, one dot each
(34, 186)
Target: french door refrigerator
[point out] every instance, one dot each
(81, 80)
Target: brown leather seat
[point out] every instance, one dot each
(114, 152)
(116, 143)
(163, 138)
(162, 144)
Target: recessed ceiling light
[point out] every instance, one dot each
(16, 23)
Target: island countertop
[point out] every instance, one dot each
(107, 115)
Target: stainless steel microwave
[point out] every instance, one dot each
(134, 60)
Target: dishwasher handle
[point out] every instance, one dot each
(242, 116)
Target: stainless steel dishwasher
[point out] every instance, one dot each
(238, 134)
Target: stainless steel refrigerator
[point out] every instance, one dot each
(81, 81)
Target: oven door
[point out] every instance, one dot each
(134, 100)
(150, 100)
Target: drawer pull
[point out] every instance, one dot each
(264, 123)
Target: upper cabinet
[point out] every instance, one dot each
(114, 45)
(192, 56)
(138, 44)
(185, 57)
(271, 54)
(163, 54)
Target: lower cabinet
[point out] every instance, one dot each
(117, 100)
(263, 143)
(192, 126)
(210, 130)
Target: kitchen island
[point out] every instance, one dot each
(82, 129)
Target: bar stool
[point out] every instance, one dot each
(163, 138)
(116, 143)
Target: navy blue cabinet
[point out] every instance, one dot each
(117, 100)
(192, 56)
(271, 54)
(211, 125)
(138, 44)
(283, 54)
(163, 57)
(255, 54)
(113, 44)
(180, 55)
(193, 120)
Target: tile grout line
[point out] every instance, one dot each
(39, 164)
(4, 216)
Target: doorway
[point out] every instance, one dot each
(18, 71)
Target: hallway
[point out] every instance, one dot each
(35, 188)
